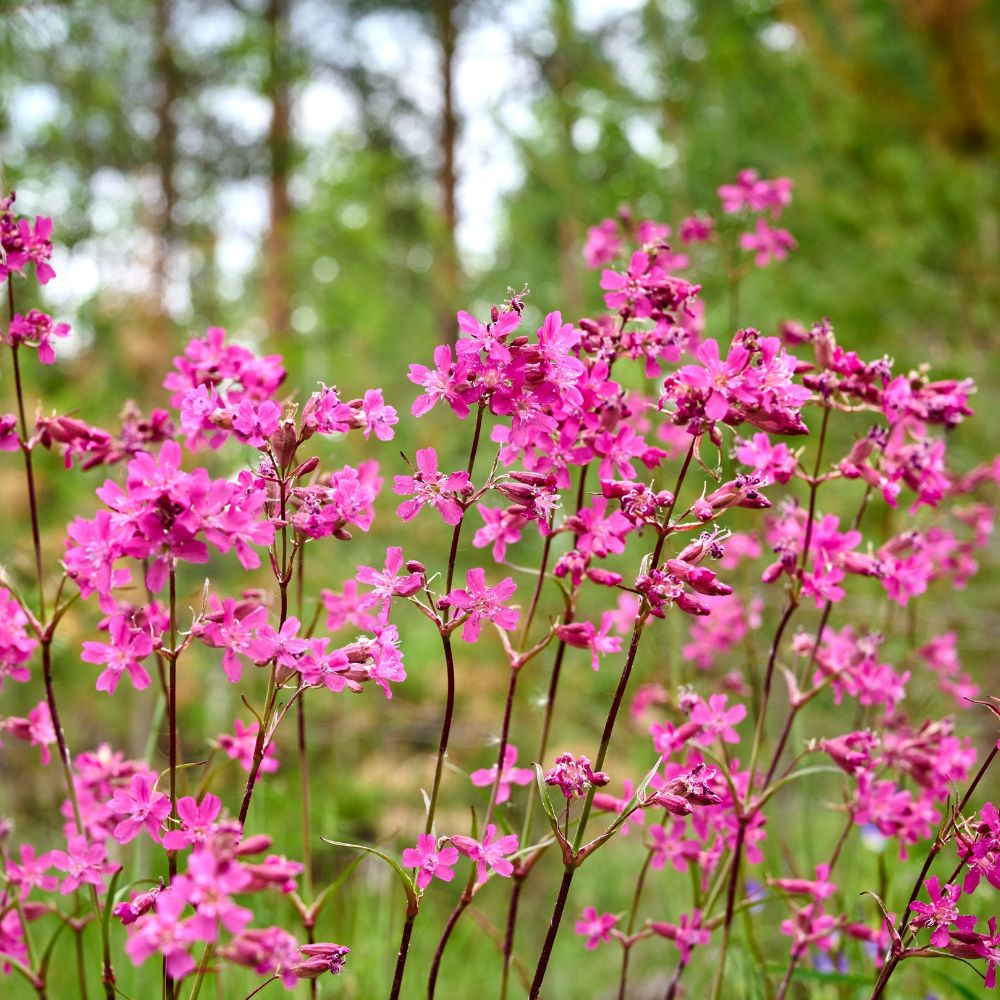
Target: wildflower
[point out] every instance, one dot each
(36, 729)
(241, 747)
(940, 913)
(161, 931)
(377, 417)
(387, 583)
(574, 776)
(509, 774)
(254, 423)
(83, 863)
(716, 719)
(586, 635)
(489, 854)
(197, 822)
(595, 927)
(431, 861)
(482, 603)
(431, 487)
(142, 806)
(767, 243)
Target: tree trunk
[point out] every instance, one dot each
(277, 280)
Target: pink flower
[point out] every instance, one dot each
(431, 862)
(940, 913)
(488, 854)
(254, 423)
(717, 720)
(162, 931)
(36, 729)
(208, 885)
(241, 747)
(142, 806)
(16, 645)
(445, 381)
(345, 608)
(586, 635)
(283, 646)
(502, 528)
(685, 934)
(83, 863)
(603, 244)
(30, 871)
(378, 417)
(431, 487)
(485, 777)
(595, 927)
(387, 583)
(197, 822)
(128, 646)
(36, 330)
(233, 630)
(767, 243)
(482, 603)
(574, 776)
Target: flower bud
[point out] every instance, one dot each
(284, 442)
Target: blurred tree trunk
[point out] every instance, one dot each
(277, 244)
(447, 271)
(169, 85)
(562, 70)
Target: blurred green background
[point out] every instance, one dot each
(332, 181)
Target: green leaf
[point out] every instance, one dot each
(411, 894)
(960, 988)
(543, 794)
(316, 907)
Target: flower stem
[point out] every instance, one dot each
(609, 727)
(404, 947)
(636, 896)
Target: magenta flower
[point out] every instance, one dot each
(30, 872)
(488, 854)
(767, 243)
(717, 720)
(142, 806)
(378, 417)
(445, 380)
(595, 927)
(36, 330)
(161, 931)
(482, 604)
(387, 583)
(240, 746)
(233, 634)
(940, 913)
(586, 635)
(36, 729)
(429, 486)
(197, 822)
(485, 777)
(487, 336)
(83, 863)
(283, 646)
(685, 934)
(431, 862)
(254, 423)
(345, 608)
(603, 244)
(386, 665)
(208, 885)
(574, 776)
(502, 527)
(128, 646)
